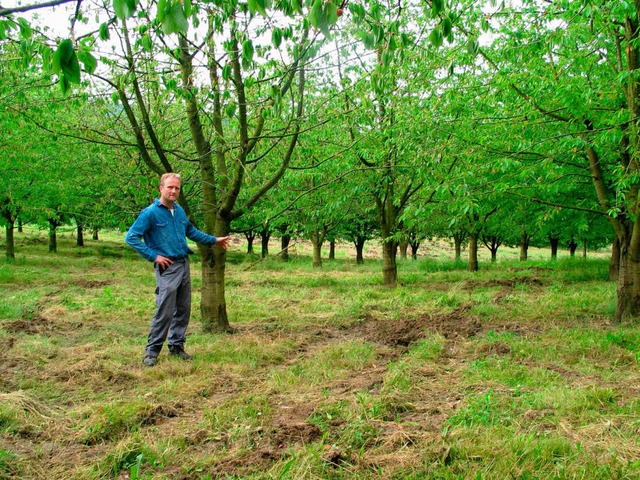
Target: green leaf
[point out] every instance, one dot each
(71, 69)
(357, 11)
(179, 19)
(62, 55)
(89, 61)
(436, 37)
(230, 110)
(446, 26)
(276, 37)
(437, 6)
(188, 8)
(316, 14)
(25, 28)
(331, 12)
(162, 10)
(104, 32)
(247, 53)
(226, 72)
(124, 8)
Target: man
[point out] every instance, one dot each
(159, 235)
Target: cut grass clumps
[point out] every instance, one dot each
(114, 420)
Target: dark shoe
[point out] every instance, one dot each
(180, 353)
(150, 361)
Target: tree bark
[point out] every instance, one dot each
(332, 249)
(285, 241)
(403, 246)
(614, 263)
(389, 264)
(250, 237)
(573, 246)
(473, 252)
(554, 247)
(10, 249)
(79, 236)
(414, 249)
(525, 238)
(265, 236)
(53, 237)
(359, 244)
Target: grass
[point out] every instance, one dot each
(515, 371)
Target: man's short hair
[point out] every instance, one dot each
(169, 175)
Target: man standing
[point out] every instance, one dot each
(159, 234)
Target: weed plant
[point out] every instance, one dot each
(515, 371)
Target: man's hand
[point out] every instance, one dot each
(223, 242)
(163, 262)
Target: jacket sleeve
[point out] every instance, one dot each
(135, 235)
(199, 237)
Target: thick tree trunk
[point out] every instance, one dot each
(10, 249)
(213, 306)
(359, 244)
(573, 246)
(20, 230)
(79, 236)
(332, 249)
(614, 263)
(389, 263)
(554, 247)
(285, 241)
(473, 252)
(628, 301)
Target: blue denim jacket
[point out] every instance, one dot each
(157, 232)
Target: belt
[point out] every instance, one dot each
(179, 259)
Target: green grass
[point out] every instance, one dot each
(515, 371)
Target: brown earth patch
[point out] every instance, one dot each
(404, 332)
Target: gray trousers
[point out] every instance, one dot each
(173, 307)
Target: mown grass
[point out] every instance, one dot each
(516, 371)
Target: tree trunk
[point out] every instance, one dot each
(389, 264)
(403, 247)
(265, 235)
(554, 247)
(584, 249)
(250, 236)
(457, 245)
(332, 249)
(573, 246)
(285, 241)
(213, 306)
(53, 237)
(473, 252)
(95, 234)
(316, 243)
(10, 250)
(20, 230)
(614, 263)
(359, 244)
(414, 249)
(628, 300)
(79, 236)
(525, 238)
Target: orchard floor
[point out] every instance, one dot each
(516, 371)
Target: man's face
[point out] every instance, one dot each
(169, 190)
